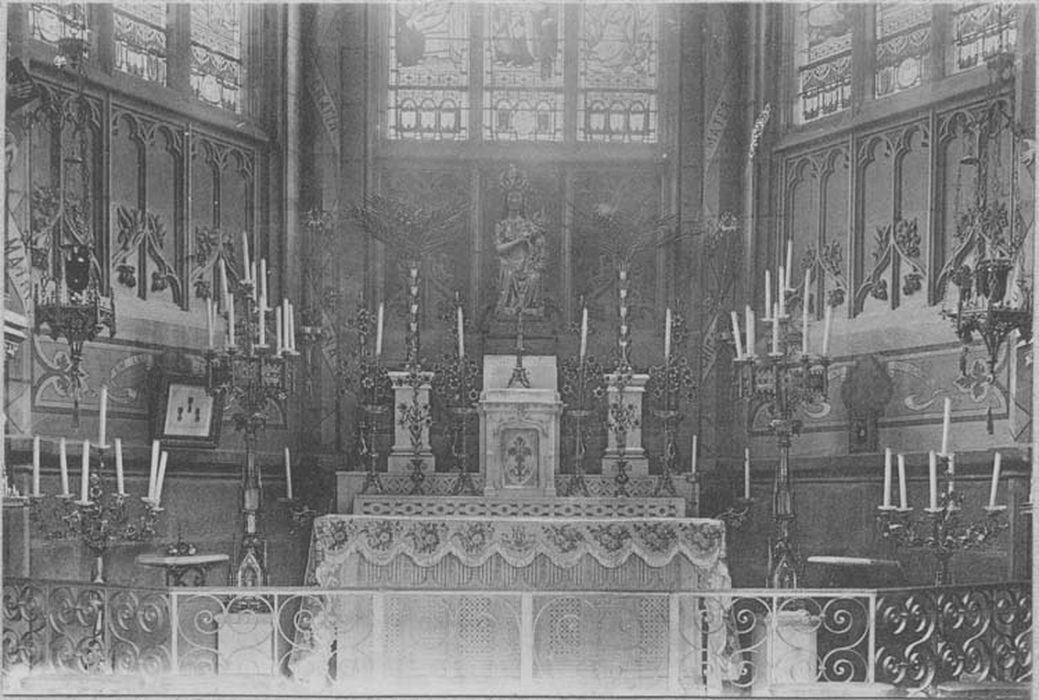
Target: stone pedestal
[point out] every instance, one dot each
(630, 399)
(519, 427)
(415, 403)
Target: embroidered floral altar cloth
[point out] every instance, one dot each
(352, 550)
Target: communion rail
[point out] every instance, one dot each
(224, 640)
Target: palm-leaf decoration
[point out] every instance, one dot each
(623, 236)
(410, 231)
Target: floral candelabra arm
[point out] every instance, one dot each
(415, 417)
(943, 530)
(250, 372)
(782, 381)
(375, 393)
(582, 389)
(456, 383)
(671, 384)
(100, 520)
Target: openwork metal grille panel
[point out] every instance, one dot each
(618, 69)
(981, 30)
(823, 59)
(216, 53)
(523, 72)
(140, 40)
(429, 71)
(903, 35)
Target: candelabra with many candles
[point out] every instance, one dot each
(782, 380)
(251, 370)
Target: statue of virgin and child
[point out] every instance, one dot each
(520, 244)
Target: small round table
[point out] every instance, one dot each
(178, 568)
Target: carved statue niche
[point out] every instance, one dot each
(865, 392)
(520, 244)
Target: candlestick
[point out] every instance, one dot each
(119, 483)
(692, 465)
(768, 293)
(789, 258)
(288, 474)
(84, 484)
(263, 284)
(291, 340)
(933, 478)
(279, 324)
(584, 331)
(736, 335)
(887, 477)
(230, 323)
(252, 279)
(153, 471)
(826, 330)
(903, 497)
(63, 460)
(103, 423)
(775, 329)
(378, 332)
(946, 419)
(261, 313)
(36, 465)
(461, 333)
(781, 292)
(751, 332)
(997, 462)
(746, 473)
(161, 476)
(224, 293)
(804, 313)
(667, 335)
(245, 256)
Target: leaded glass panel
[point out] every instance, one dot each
(429, 71)
(51, 22)
(523, 73)
(823, 59)
(216, 53)
(140, 40)
(981, 30)
(903, 40)
(618, 72)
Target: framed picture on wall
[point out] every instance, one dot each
(185, 415)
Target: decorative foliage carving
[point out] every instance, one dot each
(141, 235)
(896, 262)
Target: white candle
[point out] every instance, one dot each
(946, 419)
(903, 498)
(288, 474)
(951, 472)
(887, 477)
(292, 328)
(789, 258)
(692, 459)
(736, 335)
(584, 331)
(751, 335)
(775, 329)
(261, 311)
(246, 262)
(826, 331)
(768, 293)
(224, 293)
(230, 323)
(263, 283)
(209, 321)
(161, 476)
(804, 313)
(63, 459)
(997, 462)
(461, 333)
(84, 484)
(746, 473)
(280, 329)
(119, 483)
(153, 471)
(667, 334)
(933, 478)
(103, 424)
(781, 292)
(36, 465)
(623, 274)
(378, 332)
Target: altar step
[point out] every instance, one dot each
(484, 507)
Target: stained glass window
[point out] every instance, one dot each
(617, 73)
(429, 71)
(903, 33)
(216, 53)
(52, 22)
(140, 40)
(981, 30)
(523, 73)
(823, 59)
